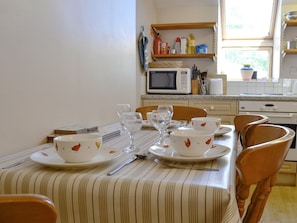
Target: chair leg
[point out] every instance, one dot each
(258, 201)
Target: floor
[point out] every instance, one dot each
(281, 206)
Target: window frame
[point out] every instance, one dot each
(265, 43)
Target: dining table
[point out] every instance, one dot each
(163, 187)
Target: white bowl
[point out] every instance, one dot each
(79, 147)
(191, 142)
(209, 124)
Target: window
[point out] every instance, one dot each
(248, 28)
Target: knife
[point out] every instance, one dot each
(128, 161)
(180, 166)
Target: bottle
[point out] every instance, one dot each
(191, 45)
(183, 45)
(177, 46)
(157, 44)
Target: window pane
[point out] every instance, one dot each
(248, 19)
(234, 59)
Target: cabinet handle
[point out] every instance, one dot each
(211, 108)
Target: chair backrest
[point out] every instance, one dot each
(243, 121)
(26, 208)
(258, 164)
(179, 112)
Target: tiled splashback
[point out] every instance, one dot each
(283, 86)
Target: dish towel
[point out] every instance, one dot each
(142, 48)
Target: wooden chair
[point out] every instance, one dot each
(26, 208)
(184, 113)
(258, 164)
(243, 121)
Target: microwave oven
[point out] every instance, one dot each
(169, 80)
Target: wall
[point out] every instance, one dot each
(146, 14)
(63, 62)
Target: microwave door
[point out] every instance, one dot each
(163, 81)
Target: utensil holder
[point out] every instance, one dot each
(194, 85)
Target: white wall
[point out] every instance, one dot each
(146, 14)
(63, 62)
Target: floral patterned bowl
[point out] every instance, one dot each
(78, 147)
(191, 142)
(208, 124)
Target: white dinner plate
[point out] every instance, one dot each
(49, 157)
(222, 130)
(173, 124)
(170, 154)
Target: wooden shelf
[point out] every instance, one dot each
(197, 25)
(179, 26)
(207, 55)
(291, 22)
(290, 51)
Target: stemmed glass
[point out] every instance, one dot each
(132, 122)
(160, 119)
(169, 108)
(166, 107)
(120, 109)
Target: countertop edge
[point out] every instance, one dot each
(221, 97)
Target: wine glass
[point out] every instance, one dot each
(166, 107)
(120, 109)
(132, 122)
(169, 108)
(160, 119)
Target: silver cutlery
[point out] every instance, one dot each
(184, 166)
(128, 161)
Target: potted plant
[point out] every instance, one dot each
(246, 72)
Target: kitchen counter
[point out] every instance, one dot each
(249, 97)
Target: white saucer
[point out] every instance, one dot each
(173, 124)
(222, 130)
(170, 154)
(49, 157)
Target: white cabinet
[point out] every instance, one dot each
(287, 174)
(150, 102)
(225, 109)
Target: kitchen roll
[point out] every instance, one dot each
(216, 86)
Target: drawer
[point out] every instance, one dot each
(288, 167)
(216, 107)
(171, 102)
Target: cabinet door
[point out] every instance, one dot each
(288, 167)
(287, 174)
(216, 107)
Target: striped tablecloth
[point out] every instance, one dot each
(143, 191)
